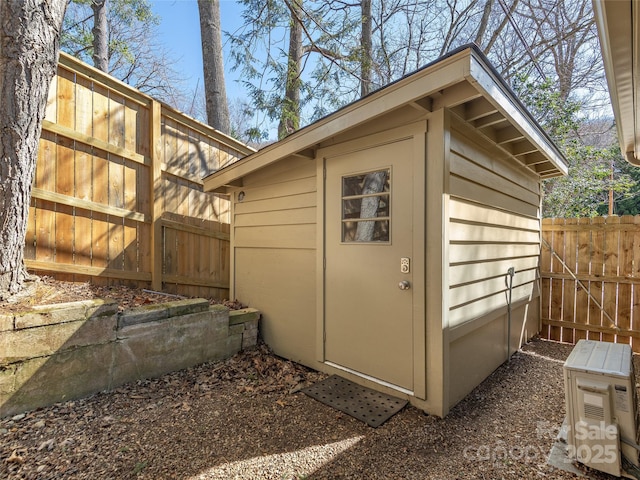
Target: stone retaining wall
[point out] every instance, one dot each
(61, 352)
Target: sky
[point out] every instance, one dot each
(180, 33)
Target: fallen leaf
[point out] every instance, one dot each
(48, 444)
(15, 458)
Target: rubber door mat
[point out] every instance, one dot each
(372, 407)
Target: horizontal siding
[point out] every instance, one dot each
(465, 211)
(464, 273)
(288, 188)
(290, 202)
(277, 236)
(493, 225)
(482, 306)
(282, 171)
(478, 233)
(468, 170)
(471, 190)
(305, 215)
(468, 293)
(469, 253)
(279, 208)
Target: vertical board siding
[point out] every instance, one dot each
(91, 215)
(591, 279)
(493, 225)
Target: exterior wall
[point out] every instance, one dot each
(274, 254)
(55, 353)
(493, 224)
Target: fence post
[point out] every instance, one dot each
(155, 192)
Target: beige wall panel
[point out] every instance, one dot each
(473, 212)
(486, 305)
(462, 252)
(469, 144)
(473, 171)
(473, 191)
(473, 272)
(278, 236)
(464, 232)
(280, 203)
(487, 287)
(281, 284)
(277, 217)
(477, 354)
(288, 169)
(283, 189)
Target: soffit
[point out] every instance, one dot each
(618, 24)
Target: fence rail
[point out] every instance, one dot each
(117, 195)
(590, 271)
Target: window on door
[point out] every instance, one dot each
(366, 208)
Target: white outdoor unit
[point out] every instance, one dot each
(602, 418)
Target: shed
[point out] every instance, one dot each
(377, 241)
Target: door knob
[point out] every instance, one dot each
(404, 285)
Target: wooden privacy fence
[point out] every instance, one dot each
(117, 195)
(590, 269)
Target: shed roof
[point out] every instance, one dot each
(463, 81)
(618, 24)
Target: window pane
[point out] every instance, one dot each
(366, 196)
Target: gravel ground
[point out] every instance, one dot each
(245, 418)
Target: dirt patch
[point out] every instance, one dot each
(246, 418)
(48, 291)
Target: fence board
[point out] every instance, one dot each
(625, 289)
(104, 160)
(569, 290)
(601, 259)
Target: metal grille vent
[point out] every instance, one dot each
(594, 411)
(372, 407)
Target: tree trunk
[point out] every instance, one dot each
(366, 44)
(290, 116)
(373, 183)
(29, 40)
(100, 35)
(498, 31)
(484, 21)
(214, 86)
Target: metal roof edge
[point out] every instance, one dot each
(304, 138)
(474, 68)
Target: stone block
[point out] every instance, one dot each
(236, 329)
(152, 349)
(47, 340)
(250, 334)
(101, 308)
(243, 315)
(7, 379)
(187, 306)
(42, 315)
(6, 323)
(144, 314)
(64, 376)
